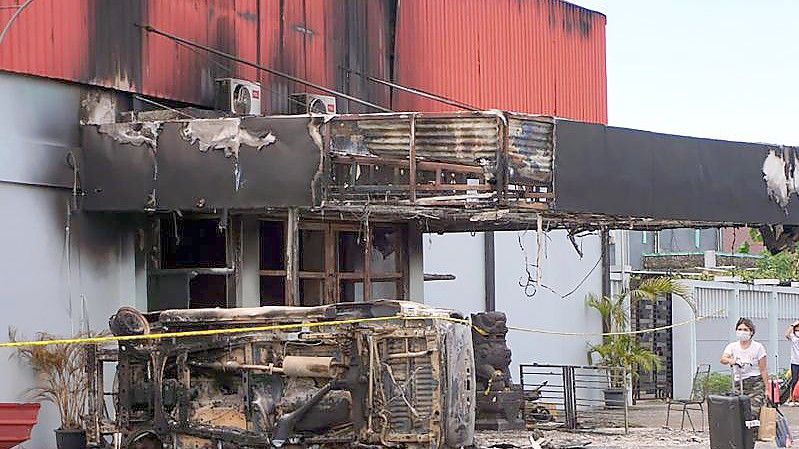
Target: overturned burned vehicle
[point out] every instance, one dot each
(377, 374)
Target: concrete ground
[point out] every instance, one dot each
(647, 430)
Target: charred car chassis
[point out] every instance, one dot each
(383, 382)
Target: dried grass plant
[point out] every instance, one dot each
(60, 371)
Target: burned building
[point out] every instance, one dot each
(162, 202)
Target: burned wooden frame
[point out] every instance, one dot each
(170, 286)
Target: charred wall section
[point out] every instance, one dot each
(208, 164)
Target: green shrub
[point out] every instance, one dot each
(719, 383)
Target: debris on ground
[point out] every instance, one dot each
(597, 438)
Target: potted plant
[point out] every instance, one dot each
(60, 379)
(620, 352)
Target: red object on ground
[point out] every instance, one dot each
(16, 422)
(773, 391)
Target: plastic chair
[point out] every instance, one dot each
(698, 396)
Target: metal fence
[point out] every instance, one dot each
(720, 304)
(575, 396)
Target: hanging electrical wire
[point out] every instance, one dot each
(13, 18)
(293, 78)
(163, 106)
(414, 91)
(228, 71)
(532, 283)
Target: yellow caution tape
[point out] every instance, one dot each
(275, 327)
(607, 334)
(239, 330)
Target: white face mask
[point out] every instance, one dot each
(743, 335)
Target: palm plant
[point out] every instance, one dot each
(60, 377)
(619, 350)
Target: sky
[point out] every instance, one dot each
(706, 68)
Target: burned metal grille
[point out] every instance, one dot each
(441, 159)
(410, 390)
(414, 157)
(530, 159)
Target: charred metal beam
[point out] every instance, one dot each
(438, 277)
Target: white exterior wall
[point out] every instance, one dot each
(562, 270)
(460, 254)
(38, 126)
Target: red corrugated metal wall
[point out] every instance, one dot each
(537, 56)
(96, 42)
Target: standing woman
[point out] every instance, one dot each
(792, 335)
(751, 356)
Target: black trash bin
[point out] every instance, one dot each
(728, 417)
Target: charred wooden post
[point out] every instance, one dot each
(499, 401)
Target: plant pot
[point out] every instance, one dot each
(70, 438)
(614, 397)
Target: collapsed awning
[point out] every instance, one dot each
(458, 171)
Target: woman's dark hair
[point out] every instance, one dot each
(747, 322)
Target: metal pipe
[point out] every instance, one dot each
(295, 79)
(414, 91)
(236, 366)
(409, 355)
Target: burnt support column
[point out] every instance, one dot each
(292, 258)
(605, 243)
(489, 273)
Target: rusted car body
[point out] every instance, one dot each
(337, 381)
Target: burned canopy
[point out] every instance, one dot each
(203, 164)
(456, 171)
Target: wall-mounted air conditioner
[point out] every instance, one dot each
(312, 104)
(238, 96)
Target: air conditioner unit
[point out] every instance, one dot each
(238, 96)
(312, 104)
